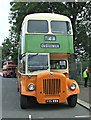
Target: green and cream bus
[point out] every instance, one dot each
(45, 46)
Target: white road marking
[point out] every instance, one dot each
(83, 103)
(29, 117)
(86, 116)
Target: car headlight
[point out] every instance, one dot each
(73, 86)
(31, 87)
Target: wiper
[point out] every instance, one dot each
(34, 55)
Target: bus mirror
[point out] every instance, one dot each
(20, 57)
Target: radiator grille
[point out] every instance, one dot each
(51, 86)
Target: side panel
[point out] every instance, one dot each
(33, 44)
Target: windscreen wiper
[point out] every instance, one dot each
(34, 55)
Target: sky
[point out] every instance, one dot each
(4, 22)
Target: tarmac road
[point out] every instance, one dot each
(11, 105)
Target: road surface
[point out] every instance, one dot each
(11, 105)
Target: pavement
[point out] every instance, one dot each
(84, 97)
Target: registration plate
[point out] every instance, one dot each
(52, 101)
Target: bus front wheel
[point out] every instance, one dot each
(72, 100)
(23, 101)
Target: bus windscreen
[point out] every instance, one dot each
(37, 62)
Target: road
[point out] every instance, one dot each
(11, 105)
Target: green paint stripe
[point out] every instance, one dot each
(33, 42)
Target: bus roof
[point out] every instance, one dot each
(46, 16)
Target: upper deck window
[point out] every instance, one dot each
(61, 27)
(37, 26)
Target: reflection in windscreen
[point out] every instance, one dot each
(37, 62)
(11, 69)
(11, 63)
(58, 64)
(37, 26)
(62, 27)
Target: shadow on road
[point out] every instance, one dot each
(45, 107)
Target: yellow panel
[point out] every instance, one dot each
(59, 56)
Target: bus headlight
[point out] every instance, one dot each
(73, 86)
(31, 87)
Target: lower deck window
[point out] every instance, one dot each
(58, 64)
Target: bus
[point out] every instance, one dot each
(9, 69)
(43, 69)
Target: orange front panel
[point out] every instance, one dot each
(25, 83)
(51, 87)
(48, 87)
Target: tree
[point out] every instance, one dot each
(6, 49)
(73, 10)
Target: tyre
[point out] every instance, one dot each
(23, 101)
(17, 89)
(14, 75)
(72, 100)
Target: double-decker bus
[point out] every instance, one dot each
(43, 73)
(9, 69)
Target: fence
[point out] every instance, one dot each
(76, 72)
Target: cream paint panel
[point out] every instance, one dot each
(46, 16)
(59, 71)
(39, 72)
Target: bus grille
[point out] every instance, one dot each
(51, 86)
